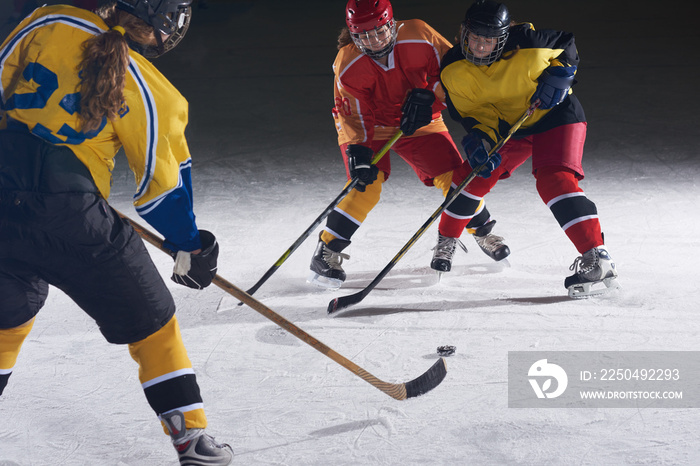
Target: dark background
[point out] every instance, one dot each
(258, 73)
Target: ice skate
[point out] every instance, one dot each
(594, 274)
(194, 447)
(326, 270)
(444, 250)
(492, 245)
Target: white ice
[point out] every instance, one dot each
(258, 78)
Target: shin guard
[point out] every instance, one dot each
(166, 375)
(577, 215)
(349, 214)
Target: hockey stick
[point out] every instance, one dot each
(399, 391)
(345, 301)
(320, 218)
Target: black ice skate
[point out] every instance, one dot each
(592, 270)
(194, 447)
(444, 250)
(326, 270)
(492, 245)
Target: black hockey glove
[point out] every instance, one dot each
(554, 85)
(360, 165)
(417, 110)
(197, 270)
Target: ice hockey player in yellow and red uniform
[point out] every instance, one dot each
(496, 72)
(386, 78)
(76, 87)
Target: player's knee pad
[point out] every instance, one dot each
(11, 340)
(443, 182)
(556, 181)
(358, 204)
(349, 214)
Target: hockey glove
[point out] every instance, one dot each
(360, 165)
(417, 110)
(477, 152)
(554, 85)
(197, 270)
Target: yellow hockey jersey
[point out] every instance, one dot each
(490, 99)
(39, 86)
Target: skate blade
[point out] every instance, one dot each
(584, 290)
(323, 282)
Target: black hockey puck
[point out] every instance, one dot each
(446, 350)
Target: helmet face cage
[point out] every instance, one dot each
(372, 26)
(474, 56)
(487, 23)
(170, 20)
(378, 42)
(179, 22)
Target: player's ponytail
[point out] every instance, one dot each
(104, 67)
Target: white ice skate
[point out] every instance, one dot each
(594, 274)
(194, 447)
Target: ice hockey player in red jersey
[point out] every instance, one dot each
(386, 79)
(497, 70)
(76, 87)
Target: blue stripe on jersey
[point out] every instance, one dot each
(151, 130)
(175, 204)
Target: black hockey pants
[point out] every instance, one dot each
(56, 229)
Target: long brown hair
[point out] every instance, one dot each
(104, 66)
(344, 38)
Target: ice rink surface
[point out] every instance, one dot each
(258, 78)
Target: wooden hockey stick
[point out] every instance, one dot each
(399, 391)
(326, 212)
(346, 301)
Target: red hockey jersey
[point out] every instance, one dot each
(369, 95)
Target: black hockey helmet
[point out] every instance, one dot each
(489, 19)
(169, 18)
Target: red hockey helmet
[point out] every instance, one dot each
(372, 26)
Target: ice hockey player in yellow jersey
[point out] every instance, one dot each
(76, 87)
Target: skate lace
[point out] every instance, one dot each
(445, 247)
(334, 259)
(489, 242)
(585, 263)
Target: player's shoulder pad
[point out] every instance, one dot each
(414, 29)
(346, 57)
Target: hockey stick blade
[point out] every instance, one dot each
(338, 304)
(429, 380)
(399, 391)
